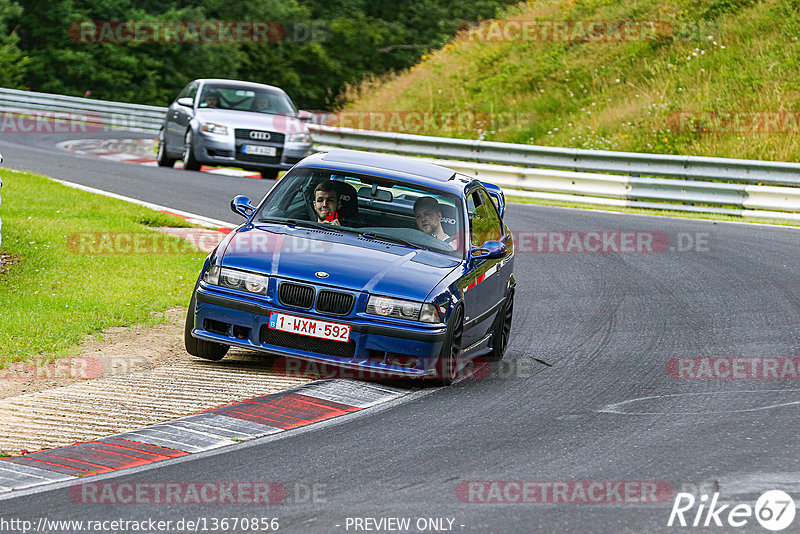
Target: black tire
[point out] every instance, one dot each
(163, 158)
(199, 347)
(271, 174)
(447, 365)
(502, 330)
(189, 163)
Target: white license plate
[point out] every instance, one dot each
(258, 150)
(309, 327)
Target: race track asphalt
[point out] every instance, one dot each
(585, 394)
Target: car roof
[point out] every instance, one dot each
(389, 166)
(239, 83)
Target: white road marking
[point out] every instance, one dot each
(615, 408)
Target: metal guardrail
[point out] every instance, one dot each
(682, 183)
(767, 189)
(571, 159)
(95, 115)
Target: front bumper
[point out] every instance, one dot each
(375, 350)
(226, 150)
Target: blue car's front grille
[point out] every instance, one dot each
(288, 340)
(296, 295)
(335, 302)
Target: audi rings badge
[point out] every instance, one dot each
(260, 136)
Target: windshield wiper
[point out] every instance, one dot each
(392, 239)
(309, 224)
(289, 222)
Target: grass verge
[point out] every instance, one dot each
(53, 292)
(716, 78)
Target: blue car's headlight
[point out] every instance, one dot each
(233, 279)
(402, 309)
(210, 127)
(299, 138)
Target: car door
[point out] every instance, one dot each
(484, 288)
(178, 118)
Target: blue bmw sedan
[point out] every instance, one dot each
(363, 261)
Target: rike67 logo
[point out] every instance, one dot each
(774, 510)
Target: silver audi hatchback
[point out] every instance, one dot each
(234, 123)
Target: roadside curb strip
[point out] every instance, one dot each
(95, 148)
(211, 429)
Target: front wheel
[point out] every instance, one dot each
(270, 174)
(447, 366)
(502, 330)
(163, 158)
(189, 163)
(199, 347)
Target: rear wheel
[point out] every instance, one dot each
(270, 174)
(163, 158)
(199, 347)
(502, 330)
(189, 163)
(447, 366)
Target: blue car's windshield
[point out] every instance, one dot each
(246, 99)
(375, 207)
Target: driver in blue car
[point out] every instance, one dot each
(428, 214)
(326, 203)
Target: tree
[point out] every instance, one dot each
(13, 62)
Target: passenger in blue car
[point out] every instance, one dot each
(326, 203)
(428, 214)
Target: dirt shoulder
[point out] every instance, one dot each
(119, 350)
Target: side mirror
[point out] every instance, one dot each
(304, 115)
(497, 196)
(241, 205)
(185, 102)
(489, 251)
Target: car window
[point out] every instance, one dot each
(246, 99)
(193, 90)
(189, 91)
(397, 211)
(485, 223)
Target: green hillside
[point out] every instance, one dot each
(702, 77)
